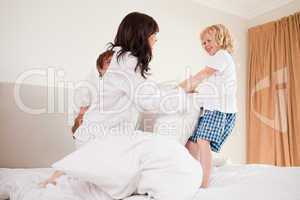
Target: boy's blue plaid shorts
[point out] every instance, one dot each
(214, 126)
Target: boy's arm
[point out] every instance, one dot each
(190, 84)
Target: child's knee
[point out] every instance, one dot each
(193, 149)
(203, 142)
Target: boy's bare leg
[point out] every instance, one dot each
(201, 151)
(205, 160)
(193, 149)
(195, 152)
(51, 179)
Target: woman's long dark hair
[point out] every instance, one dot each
(132, 36)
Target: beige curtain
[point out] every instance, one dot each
(274, 93)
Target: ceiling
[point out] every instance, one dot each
(247, 9)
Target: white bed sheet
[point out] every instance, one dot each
(253, 182)
(230, 182)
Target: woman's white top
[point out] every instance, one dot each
(218, 92)
(117, 99)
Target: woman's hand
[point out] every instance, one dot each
(78, 119)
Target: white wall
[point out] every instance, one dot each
(276, 14)
(69, 35)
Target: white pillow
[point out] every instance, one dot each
(121, 164)
(219, 160)
(103, 163)
(180, 127)
(177, 126)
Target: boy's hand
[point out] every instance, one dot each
(190, 84)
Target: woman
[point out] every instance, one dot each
(159, 168)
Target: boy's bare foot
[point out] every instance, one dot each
(204, 184)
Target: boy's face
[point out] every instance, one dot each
(209, 43)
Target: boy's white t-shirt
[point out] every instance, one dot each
(219, 90)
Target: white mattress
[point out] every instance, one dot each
(230, 182)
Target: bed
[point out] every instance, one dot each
(26, 152)
(232, 182)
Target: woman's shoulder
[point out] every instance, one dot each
(124, 60)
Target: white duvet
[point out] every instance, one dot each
(230, 182)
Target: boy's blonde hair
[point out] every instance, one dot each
(222, 36)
